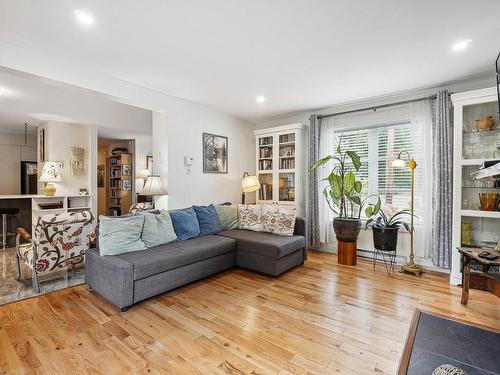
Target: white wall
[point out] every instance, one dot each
(178, 133)
(179, 124)
(59, 138)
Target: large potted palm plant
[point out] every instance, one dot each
(343, 193)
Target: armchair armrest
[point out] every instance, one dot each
(300, 226)
(23, 233)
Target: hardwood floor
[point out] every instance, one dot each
(321, 318)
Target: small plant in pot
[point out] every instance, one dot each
(343, 193)
(385, 229)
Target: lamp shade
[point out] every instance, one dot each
(398, 163)
(154, 186)
(51, 172)
(250, 184)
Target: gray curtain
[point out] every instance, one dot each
(442, 189)
(312, 205)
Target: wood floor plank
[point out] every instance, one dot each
(321, 318)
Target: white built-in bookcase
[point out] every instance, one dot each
(280, 166)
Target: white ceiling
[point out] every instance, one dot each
(299, 54)
(27, 98)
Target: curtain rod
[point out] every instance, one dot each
(378, 106)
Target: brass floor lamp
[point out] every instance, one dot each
(410, 266)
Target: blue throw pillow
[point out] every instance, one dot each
(185, 223)
(208, 219)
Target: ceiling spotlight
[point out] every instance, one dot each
(461, 45)
(260, 99)
(85, 18)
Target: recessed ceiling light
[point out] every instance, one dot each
(260, 99)
(84, 17)
(461, 45)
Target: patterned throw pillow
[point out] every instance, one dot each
(278, 219)
(249, 217)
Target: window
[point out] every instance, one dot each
(377, 148)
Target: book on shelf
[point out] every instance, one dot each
(265, 141)
(265, 152)
(287, 164)
(265, 165)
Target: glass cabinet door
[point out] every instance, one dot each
(481, 135)
(265, 153)
(266, 186)
(287, 187)
(287, 151)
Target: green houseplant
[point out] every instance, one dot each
(386, 228)
(343, 193)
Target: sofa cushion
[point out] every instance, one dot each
(228, 216)
(158, 228)
(278, 219)
(120, 234)
(208, 219)
(267, 244)
(177, 254)
(185, 223)
(250, 217)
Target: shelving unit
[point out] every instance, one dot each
(471, 225)
(118, 199)
(280, 166)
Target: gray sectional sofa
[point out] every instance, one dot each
(129, 278)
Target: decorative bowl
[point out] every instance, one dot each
(488, 201)
(485, 123)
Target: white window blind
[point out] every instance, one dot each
(377, 148)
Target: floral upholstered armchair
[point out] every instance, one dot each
(59, 241)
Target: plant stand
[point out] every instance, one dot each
(389, 258)
(347, 253)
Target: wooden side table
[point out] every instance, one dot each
(478, 279)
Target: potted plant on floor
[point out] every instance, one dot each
(343, 194)
(385, 229)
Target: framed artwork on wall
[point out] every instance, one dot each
(149, 164)
(215, 153)
(41, 144)
(126, 170)
(127, 185)
(101, 175)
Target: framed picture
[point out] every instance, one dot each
(41, 144)
(214, 153)
(100, 175)
(149, 164)
(127, 186)
(126, 170)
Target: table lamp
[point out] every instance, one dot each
(249, 184)
(154, 186)
(410, 266)
(51, 172)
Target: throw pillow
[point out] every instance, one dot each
(118, 235)
(158, 228)
(228, 216)
(208, 219)
(185, 223)
(278, 219)
(250, 217)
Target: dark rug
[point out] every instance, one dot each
(434, 341)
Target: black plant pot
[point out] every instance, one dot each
(385, 239)
(347, 230)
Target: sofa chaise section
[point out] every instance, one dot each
(269, 253)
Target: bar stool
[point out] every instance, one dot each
(5, 212)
